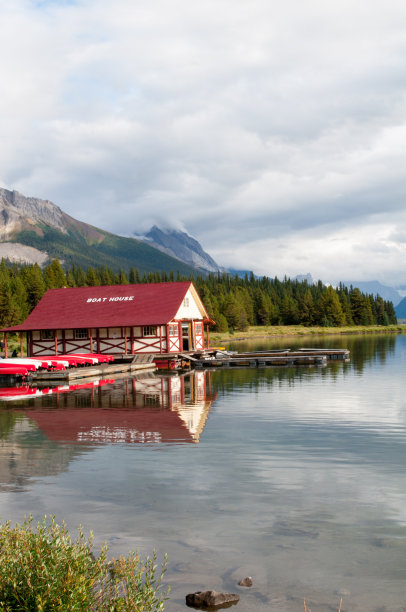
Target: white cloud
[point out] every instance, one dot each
(249, 124)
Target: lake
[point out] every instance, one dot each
(294, 476)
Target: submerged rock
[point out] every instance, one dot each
(246, 582)
(211, 600)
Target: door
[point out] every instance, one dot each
(186, 337)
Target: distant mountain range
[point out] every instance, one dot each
(400, 309)
(34, 230)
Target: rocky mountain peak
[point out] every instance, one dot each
(182, 246)
(18, 212)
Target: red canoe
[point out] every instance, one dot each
(13, 370)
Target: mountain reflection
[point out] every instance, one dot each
(152, 409)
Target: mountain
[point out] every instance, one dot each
(35, 230)
(181, 246)
(301, 278)
(400, 309)
(387, 293)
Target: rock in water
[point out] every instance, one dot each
(246, 582)
(211, 599)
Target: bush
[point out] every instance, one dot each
(43, 569)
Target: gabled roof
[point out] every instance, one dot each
(108, 306)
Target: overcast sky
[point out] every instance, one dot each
(273, 132)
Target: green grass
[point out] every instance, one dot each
(43, 569)
(275, 331)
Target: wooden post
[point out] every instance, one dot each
(5, 345)
(169, 392)
(207, 336)
(132, 339)
(98, 339)
(182, 390)
(55, 342)
(21, 344)
(63, 342)
(180, 338)
(91, 340)
(125, 340)
(168, 342)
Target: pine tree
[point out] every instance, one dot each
(329, 307)
(105, 276)
(54, 275)
(35, 285)
(122, 278)
(91, 277)
(79, 276)
(131, 276)
(306, 308)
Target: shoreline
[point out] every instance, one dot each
(294, 331)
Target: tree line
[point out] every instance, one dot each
(234, 303)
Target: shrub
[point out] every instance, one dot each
(43, 569)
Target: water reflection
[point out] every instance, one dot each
(42, 430)
(298, 479)
(364, 348)
(147, 410)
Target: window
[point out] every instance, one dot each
(186, 302)
(47, 334)
(80, 334)
(151, 400)
(173, 330)
(198, 329)
(149, 330)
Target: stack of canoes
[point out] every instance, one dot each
(22, 366)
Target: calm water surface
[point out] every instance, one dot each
(295, 476)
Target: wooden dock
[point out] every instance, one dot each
(302, 357)
(101, 370)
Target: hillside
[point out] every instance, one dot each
(35, 230)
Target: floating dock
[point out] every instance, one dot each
(303, 357)
(209, 358)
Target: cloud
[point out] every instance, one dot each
(248, 124)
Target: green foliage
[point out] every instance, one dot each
(232, 302)
(43, 569)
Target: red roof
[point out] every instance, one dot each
(106, 306)
(87, 425)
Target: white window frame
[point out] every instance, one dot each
(150, 331)
(173, 330)
(47, 334)
(81, 333)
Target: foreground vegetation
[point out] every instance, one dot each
(233, 303)
(43, 569)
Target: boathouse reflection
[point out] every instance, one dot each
(147, 410)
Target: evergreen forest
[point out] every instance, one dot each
(234, 303)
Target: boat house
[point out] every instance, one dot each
(157, 318)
